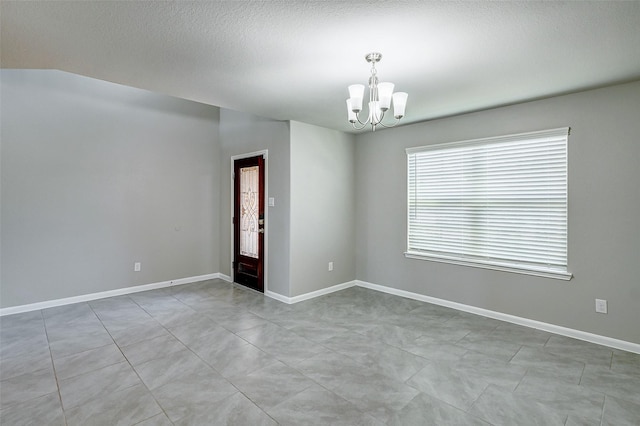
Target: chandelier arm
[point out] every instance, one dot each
(363, 123)
(388, 126)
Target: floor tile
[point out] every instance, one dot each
(619, 385)
(281, 343)
(618, 412)
(310, 329)
(431, 311)
(192, 393)
(241, 321)
(554, 364)
(81, 389)
(173, 318)
(74, 313)
(229, 354)
(233, 410)
(43, 411)
(424, 408)
(581, 421)
(269, 386)
(237, 358)
(589, 353)
(487, 369)
(22, 320)
(209, 304)
(521, 335)
(160, 371)
(124, 407)
(393, 335)
(74, 344)
(490, 345)
(15, 331)
(84, 362)
(158, 420)
(436, 350)
(393, 362)
(216, 353)
(474, 323)
(443, 381)
(126, 333)
(269, 309)
(353, 344)
(38, 358)
(26, 387)
(120, 308)
(13, 347)
(504, 408)
(64, 331)
(562, 397)
(318, 406)
(166, 309)
(150, 349)
(571, 376)
(193, 332)
(369, 390)
(626, 363)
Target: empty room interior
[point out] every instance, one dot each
(224, 213)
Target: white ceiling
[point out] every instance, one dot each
(292, 60)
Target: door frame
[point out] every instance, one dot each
(265, 264)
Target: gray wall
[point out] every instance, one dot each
(96, 176)
(604, 209)
(322, 208)
(242, 133)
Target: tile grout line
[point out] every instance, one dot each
(53, 366)
(131, 365)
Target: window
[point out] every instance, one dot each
(498, 203)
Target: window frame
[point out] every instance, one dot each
(507, 266)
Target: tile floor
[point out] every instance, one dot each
(213, 353)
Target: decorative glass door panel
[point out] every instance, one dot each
(249, 198)
(248, 222)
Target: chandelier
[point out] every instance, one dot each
(380, 96)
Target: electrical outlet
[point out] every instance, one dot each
(601, 306)
(330, 266)
(136, 267)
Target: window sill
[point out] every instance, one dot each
(558, 275)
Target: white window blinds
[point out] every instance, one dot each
(497, 202)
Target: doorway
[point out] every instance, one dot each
(249, 221)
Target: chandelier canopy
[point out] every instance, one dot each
(380, 97)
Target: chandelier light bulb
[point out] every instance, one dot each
(356, 93)
(399, 104)
(385, 91)
(351, 115)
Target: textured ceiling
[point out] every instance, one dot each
(292, 60)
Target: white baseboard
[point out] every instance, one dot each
(224, 277)
(311, 295)
(108, 293)
(277, 296)
(551, 328)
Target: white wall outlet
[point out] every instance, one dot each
(136, 267)
(272, 201)
(601, 306)
(330, 266)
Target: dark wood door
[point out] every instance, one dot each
(248, 222)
